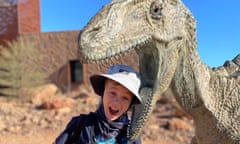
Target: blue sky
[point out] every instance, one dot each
(218, 23)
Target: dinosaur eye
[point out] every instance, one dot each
(156, 10)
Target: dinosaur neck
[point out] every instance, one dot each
(193, 76)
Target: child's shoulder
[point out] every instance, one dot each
(79, 122)
(74, 127)
(82, 117)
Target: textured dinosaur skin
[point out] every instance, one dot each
(163, 32)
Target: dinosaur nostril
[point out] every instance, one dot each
(96, 29)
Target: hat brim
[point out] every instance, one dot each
(98, 84)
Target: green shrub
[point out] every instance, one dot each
(19, 68)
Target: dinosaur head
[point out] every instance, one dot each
(157, 29)
(125, 24)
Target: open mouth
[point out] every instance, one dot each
(113, 111)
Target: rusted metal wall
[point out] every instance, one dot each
(28, 12)
(8, 21)
(18, 17)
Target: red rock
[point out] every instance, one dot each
(40, 93)
(56, 104)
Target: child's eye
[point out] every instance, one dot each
(126, 98)
(112, 93)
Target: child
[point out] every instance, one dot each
(118, 89)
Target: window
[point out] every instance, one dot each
(76, 69)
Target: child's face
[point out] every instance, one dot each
(116, 99)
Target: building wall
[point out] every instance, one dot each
(57, 49)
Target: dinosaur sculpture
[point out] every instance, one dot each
(163, 32)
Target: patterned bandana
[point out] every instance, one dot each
(108, 130)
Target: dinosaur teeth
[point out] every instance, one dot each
(94, 61)
(117, 57)
(112, 59)
(108, 52)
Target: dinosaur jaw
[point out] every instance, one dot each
(156, 74)
(94, 50)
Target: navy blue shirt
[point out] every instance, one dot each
(89, 129)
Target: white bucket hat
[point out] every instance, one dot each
(122, 74)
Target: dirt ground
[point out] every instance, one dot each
(40, 119)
